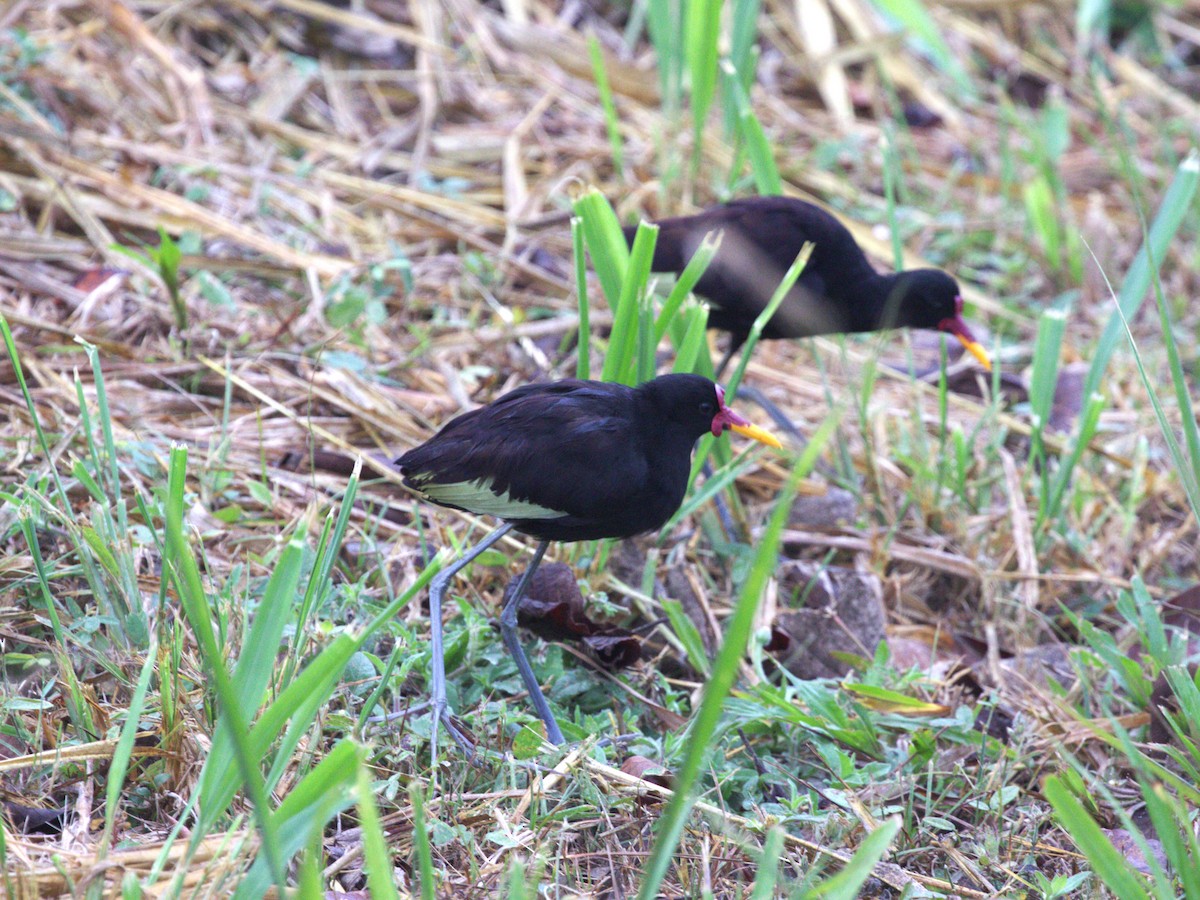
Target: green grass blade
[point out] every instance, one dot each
(1049, 507)
(518, 889)
(847, 883)
(1107, 862)
(689, 636)
(721, 479)
(250, 679)
(743, 33)
(664, 21)
(756, 330)
(611, 122)
(1188, 472)
(619, 361)
(1187, 694)
(1052, 325)
(329, 546)
(724, 670)
(308, 870)
(768, 866)
(261, 647)
(307, 809)
(1172, 826)
(646, 345)
(43, 444)
(389, 611)
(762, 158)
(684, 284)
(914, 18)
(377, 857)
(196, 607)
(297, 706)
(1191, 431)
(298, 703)
(702, 35)
(421, 847)
(692, 347)
(110, 443)
(121, 756)
(583, 349)
(606, 244)
(1175, 204)
(78, 710)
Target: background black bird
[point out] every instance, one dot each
(565, 461)
(838, 291)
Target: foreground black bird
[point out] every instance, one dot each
(837, 292)
(565, 461)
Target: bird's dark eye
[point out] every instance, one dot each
(708, 408)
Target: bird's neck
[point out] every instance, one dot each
(884, 309)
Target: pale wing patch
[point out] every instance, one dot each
(479, 497)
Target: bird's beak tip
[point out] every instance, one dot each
(758, 434)
(976, 350)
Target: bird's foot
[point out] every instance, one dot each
(442, 715)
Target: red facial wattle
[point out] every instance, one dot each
(956, 326)
(727, 419)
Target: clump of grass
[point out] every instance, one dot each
(359, 309)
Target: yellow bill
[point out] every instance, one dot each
(758, 434)
(976, 350)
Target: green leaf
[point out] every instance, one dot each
(703, 726)
(611, 121)
(101, 551)
(1175, 204)
(421, 847)
(915, 19)
(689, 635)
(605, 243)
(846, 884)
(1107, 862)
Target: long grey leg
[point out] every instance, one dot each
(508, 630)
(437, 587)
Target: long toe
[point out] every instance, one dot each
(459, 735)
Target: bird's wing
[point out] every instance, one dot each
(539, 452)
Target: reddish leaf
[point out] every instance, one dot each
(616, 650)
(647, 770)
(553, 606)
(90, 280)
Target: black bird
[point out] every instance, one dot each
(565, 461)
(837, 292)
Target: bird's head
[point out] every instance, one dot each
(698, 405)
(725, 418)
(929, 298)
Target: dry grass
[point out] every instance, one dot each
(429, 182)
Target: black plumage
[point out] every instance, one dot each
(566, 461)
(838, 291)
(607, 460)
